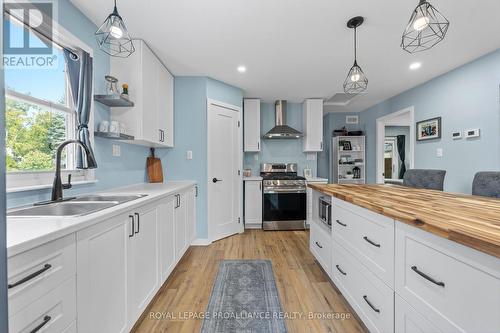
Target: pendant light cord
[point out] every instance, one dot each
(355, 44)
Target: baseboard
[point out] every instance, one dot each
(201, 242)
(253, 226)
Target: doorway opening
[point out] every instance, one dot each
(395, 146)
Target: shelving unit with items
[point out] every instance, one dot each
(348, 160)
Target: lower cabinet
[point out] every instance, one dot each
(253, 204)
(320, 245)
(408, 320)
(122, 262)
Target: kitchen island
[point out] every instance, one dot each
(405, 258)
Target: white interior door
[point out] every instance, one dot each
(224, 170)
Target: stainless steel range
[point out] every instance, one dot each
(284, 197)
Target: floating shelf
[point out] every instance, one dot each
(113, 101)
(114, 136)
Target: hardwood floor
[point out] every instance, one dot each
(303, 286)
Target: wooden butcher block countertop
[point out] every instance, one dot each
(469, 220)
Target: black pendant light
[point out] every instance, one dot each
(426, 28)
(356, 80)
(113, 37)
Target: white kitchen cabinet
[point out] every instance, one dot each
(102, 290)
(320, 239)
(191, 196)
(312, 126)
(251, 123)
(408, 320)
(180, 218)
(166, 238)
(151, 88)
(143, 274)
(253, 204)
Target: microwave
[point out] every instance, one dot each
(325, 210)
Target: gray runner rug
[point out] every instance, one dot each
(244, 299)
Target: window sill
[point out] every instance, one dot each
(45, 186)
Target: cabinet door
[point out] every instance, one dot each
(408, 320)
(150, 65)
(143, 276)
(253, 204)
(251, 123)
(166, 106)
(166, 237)
(312, 110)
(191, 216)
(102, 289)
(180, 226)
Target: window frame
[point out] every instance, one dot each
(19, 181)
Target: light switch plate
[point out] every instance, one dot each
(189, 155)
(117, 151)
(456, 135)
(472, 133)
(439, 152)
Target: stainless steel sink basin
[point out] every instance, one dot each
(79, 206)
(66, 208)
(117, 198)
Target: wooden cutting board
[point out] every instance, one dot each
(155, 170)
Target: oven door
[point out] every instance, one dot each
(285, 207)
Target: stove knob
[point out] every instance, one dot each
(297, 182)
(275, 182)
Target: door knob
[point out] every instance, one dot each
(215, 180)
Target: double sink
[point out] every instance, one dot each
(78, 206)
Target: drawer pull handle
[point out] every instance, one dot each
(46, 319)
(340, 270)
(371, 242)
(319, 245)
(29, 277)
(133, 226)
(342, 224)
(138, 222)
(370, 304)
(427, 277)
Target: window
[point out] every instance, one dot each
(39, 117)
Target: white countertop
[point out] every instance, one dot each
(316, 180)
(24, 233)
(257, 178)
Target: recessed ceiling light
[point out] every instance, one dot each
(242, 69)
(415, 66)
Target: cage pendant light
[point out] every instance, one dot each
(356, 81)
(113, 37)
(426, 28)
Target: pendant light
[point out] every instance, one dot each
(426, 28)
(113, 37)
(356, 80)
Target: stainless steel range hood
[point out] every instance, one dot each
(282, 130)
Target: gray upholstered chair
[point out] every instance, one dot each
(424, 178)
(486, 184)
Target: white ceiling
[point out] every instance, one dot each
(295, 49)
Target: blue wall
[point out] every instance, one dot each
(284, 151)
(127, 169)
(465, 98)
(3, 237)
(190, 121)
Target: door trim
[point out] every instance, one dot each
(211, 224)
(380, 138)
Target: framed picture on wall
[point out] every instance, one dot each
(429, 129)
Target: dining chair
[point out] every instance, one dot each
(424, 178)
(486, 184)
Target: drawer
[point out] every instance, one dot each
(34, 273)
(408, 320)
(320, 244)
(372, 300)
(54, 312)
(455, 287)
(368, 236)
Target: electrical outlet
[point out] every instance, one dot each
(117, 150)
(189, 155)
(439, 152)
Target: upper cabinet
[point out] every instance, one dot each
(251, 123)
(312, 112)
(151, 87)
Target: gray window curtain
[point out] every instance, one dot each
(79, 65)
(401, 150)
